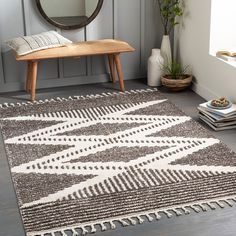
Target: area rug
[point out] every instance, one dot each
(85, 164)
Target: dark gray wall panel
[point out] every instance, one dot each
(74, 67)
(1, 70)
(48, 69)
(11, 17)
(128, 27)
(11, 20)
(13, 71)
(101, 28)
(152, 21)
(135, 21)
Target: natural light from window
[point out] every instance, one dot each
(223, 26)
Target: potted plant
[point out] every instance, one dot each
(169, 11)
(175, 76)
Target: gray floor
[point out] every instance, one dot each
(211, 223)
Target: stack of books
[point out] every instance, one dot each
(218, 119)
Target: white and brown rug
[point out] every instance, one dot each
(86, 163)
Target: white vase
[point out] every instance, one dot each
(155, 63)
(166, 49)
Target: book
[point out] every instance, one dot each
(215, 127)
(214, 117)
(229, 52)
(218, 124)
(223, 113)
(226, 57)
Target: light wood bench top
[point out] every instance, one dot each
(80, 49)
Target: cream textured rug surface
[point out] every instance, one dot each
(84, 164)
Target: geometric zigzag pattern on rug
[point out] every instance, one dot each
(146, 162)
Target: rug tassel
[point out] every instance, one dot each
(84, 230)
(113, 226)
(103, 227)
(74, 232)
(157, 215)
(203, 207)
(195, 208)
(98, 96)
(229, 203)
(211, 206)
(93, 229)
(150, 218)
(105, 94)
(186, 211)
(177, 212)
(132, 221)
(140, 219)
(124, 223)
(63, 233)
(168, 214)
(6, 104)
(220, 204)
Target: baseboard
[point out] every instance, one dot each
(54, 83)
(204, 92)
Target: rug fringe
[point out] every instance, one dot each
(139, 219)
(71, 98)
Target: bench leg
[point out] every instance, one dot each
(33, 79)
(119, 72)
(28, 80)
(112, 67)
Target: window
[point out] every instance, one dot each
(223, 26)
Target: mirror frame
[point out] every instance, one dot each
(69, 27)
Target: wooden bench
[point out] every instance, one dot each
(111, 48)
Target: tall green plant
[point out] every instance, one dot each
(169, 10)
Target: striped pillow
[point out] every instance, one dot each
(29, 44)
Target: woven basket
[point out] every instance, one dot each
(176, 84)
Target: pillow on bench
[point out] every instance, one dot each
(29, 44)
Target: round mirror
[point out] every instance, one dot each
(69, 14)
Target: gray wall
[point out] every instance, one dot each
(136, 21)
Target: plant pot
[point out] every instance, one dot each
(176, 85)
